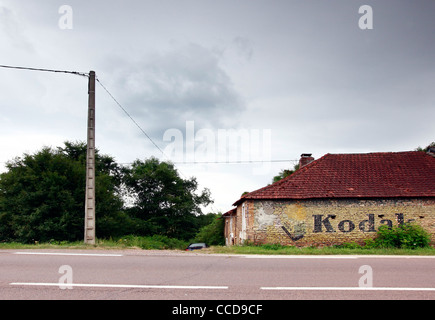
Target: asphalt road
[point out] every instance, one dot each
(161, 275)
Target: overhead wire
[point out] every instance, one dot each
(183, 162)
(83, 74)
(87, 75)
(131, 118)
(235, 162)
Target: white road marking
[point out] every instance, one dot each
(70, 254)
(346, 289)
(297, 257)
(136, 286)
(131, 286)
(333, 257)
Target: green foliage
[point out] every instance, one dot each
(213, 233)
(350, 245)
(272, 246)
(404, 236)
(39, 199)
(42, 198)
(163, 202)
(285, 173)
(155, 242)
(407, 236)
(431, 145)
(282, 174)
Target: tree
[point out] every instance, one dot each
(285, 173)
(213, 233)
(431, 145)
(163, 202)
(42, 196)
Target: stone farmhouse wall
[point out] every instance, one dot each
(324, 222)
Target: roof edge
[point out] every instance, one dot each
(294, 174)
(334, 198)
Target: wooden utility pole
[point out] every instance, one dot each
(90, 166)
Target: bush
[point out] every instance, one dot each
(404, 236)
(407, 236)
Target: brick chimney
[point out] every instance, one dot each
(305, 159)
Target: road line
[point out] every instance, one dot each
(259, 256)
(70, 254)
(128, 286)
(346, 289)
(298, 257)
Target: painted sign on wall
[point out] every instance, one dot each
(334, 222)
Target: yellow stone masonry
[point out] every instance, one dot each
(325, 222)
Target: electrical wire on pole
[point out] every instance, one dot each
(46, 70)
(131, 118)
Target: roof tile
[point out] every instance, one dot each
(370, 175)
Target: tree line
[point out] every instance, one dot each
(42, 198)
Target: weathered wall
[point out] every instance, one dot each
(234, 233)
(230, 230)
(327, 222)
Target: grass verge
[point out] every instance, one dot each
(155, 242)
(164, 243)
(289, 250)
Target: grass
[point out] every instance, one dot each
(155, 242)
(164, 243)
(290, 250)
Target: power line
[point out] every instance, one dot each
(225, 162)
(131, 118)
(46, 70)
(83, 74)
(87, 75)
(235, 162)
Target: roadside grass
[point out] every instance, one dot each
(155, 242)
(164, 243)
(290, 250)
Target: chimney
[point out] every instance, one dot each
(306, 158)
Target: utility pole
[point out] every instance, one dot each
(90, 166)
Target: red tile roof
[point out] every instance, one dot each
(371, 175)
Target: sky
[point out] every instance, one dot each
(245, 86)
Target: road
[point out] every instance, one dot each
(161, 275)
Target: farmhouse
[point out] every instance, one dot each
(338, 198)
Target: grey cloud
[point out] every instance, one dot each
(164, 90)
(244, 47)
(14, 30)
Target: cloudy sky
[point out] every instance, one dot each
(220, 81)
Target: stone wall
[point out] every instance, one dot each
(326, 222)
